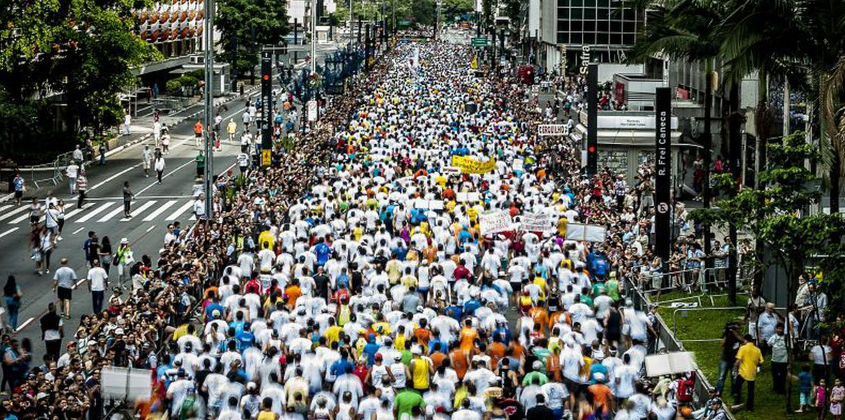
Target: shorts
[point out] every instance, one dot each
(34, 219)
(65, 293)
(836, 409)
(804, 398)
(422, 290)
(18, 194)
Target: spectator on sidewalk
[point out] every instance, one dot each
(127, 121)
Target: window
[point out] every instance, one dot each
(576, 13)
(602, 38)
(589, 13)
(615, 26)
(576, 25)
(615, 39)
(575, 38)
(589, 26)
(589, 38)
(629, 39)
(602, 25)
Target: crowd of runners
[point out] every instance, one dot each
(355, 281)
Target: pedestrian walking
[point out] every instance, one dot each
(124, 259)
(61, 217)
(52, 332)
(102, 148)
(12, 293)
(231, 128)
(98, 282)
(81, 189)
(77, 155)
(64, 280)
(127, 199)
(748, 358)
(127, 121)
(158, 165)
(156, 132)
(34, 212)
(72, 171)
(51, 221)
(146, 160)
(165, 140)
(18, 187)
(46, 243)
(198, 134)
(200, 160)
(105, 253)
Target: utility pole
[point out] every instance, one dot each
(313, 36)
(208, 32)
(350, 21)
(295, 39)
(437, 21)
(367, 49)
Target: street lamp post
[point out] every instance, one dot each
(313, 35)
(208, 32)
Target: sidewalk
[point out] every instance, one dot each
(140, 131)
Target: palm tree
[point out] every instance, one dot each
(689, 29)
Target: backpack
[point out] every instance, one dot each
(686, 386)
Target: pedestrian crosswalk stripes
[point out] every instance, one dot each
(175, 215)
(145, 210)
(159, 210)
(95, 212)
(11, 213)
(74, 212)
(139, 210)
(110, 214)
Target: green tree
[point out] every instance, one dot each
(245, 26)
(81, 49)
(778, 215)
(690, 30)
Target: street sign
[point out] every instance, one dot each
(553, 130)
(265, 157)
(312, 110)
(266, 99)
(479, 42)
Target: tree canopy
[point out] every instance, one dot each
(79, 49)
(245, 26)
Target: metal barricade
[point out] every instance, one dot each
(669, 343)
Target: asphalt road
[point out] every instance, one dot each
(155, 206)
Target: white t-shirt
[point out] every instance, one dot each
(98, 278)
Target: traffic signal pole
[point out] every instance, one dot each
(208, 33)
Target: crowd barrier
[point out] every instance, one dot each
(667, 342)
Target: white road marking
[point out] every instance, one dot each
(165, 176)
(77, 211)
(111, 214)
(77, 231)
(8, 231)
(25, 323)
(159, 210)
(2, 208)
(14, 212)
(95, 212)
(175, 215)
(150, 228)
(139, 210)
(107, 180)
(22, 218)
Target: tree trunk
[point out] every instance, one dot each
(793, 271)
(835, 180)
(707, 142)
(735, 159)
(762, 125)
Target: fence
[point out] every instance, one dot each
(669, 343)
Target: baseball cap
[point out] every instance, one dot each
(378, 357)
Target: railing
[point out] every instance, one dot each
(669, 343)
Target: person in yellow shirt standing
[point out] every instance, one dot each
(748, 359)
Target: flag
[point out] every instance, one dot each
(474, 63)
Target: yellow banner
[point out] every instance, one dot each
(474, 63)
(473, 166)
